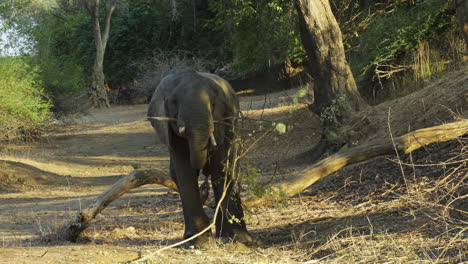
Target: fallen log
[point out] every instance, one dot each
(290, 187)
(401, 145)
(134, 179)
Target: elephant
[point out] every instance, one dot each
(201, 109)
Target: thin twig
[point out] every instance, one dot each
(395, 147)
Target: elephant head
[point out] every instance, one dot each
(196, 104)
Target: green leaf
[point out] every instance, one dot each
(280, 128)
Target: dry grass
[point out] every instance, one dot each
(387, 210)
(417, 218)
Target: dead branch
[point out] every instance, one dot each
(402, 145)
(134, 179)
(296, 184)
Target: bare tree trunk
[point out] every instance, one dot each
(404, 144)
(322, 40)
(99, 96)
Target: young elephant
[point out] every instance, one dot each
(197, 142)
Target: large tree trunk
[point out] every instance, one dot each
(99, 96)
(322, 40)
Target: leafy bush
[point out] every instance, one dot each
(395, 34)
(59, 55)
(258, 34)
(23, 106)
(398, 46)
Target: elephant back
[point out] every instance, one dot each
(225, 88)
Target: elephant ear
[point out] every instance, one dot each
(157, 107)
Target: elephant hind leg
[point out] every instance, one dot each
(230, 220)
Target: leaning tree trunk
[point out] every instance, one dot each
(322, 40)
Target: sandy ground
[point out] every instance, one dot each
(45, 183)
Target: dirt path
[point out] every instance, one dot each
(43, 185)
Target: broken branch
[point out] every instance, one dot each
(403, 145)
(134, 179)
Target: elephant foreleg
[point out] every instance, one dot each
(187, 182)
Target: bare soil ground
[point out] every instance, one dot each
(407, 209)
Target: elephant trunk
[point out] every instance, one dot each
(198, 145)
(198, 119)
(201, 135)
(198, 157)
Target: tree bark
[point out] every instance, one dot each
(296, 184)
(322, 40)
(99, 96)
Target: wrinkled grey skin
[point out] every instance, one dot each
(196, 100)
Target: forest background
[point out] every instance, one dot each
(393, 48)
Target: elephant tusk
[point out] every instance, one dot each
(181, 129)
(213, 141)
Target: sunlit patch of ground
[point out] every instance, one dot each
(373, 212)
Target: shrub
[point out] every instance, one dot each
(258, 34)
(60, 56)
(404, 46)
(23, 105)
(395, 34)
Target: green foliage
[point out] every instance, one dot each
(393, 35)
(252, 35)
(279, 201)
(23, 107)
(60, 54)
(250, 175)
(15, 28)
(258, 34)
(280, 128)
(397, 46)
(332, 114)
